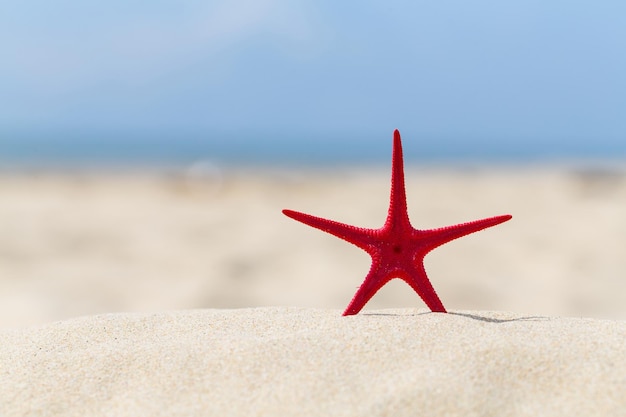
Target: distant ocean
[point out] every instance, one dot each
(101, 150)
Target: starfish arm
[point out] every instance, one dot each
(373, 282)
(418, 280)
(398, 214)
(438, 237)
(359, 237)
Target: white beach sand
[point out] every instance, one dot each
(87, 243)
(171, 254)
(306, 362)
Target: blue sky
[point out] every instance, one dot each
(525, 73)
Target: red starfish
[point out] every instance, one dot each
(397, 249)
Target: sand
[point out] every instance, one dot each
(84, 243)
(162, 268)
(312, 362)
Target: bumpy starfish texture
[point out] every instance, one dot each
(397, 249)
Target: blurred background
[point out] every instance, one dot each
(146, 151)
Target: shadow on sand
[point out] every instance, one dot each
(469, 316)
